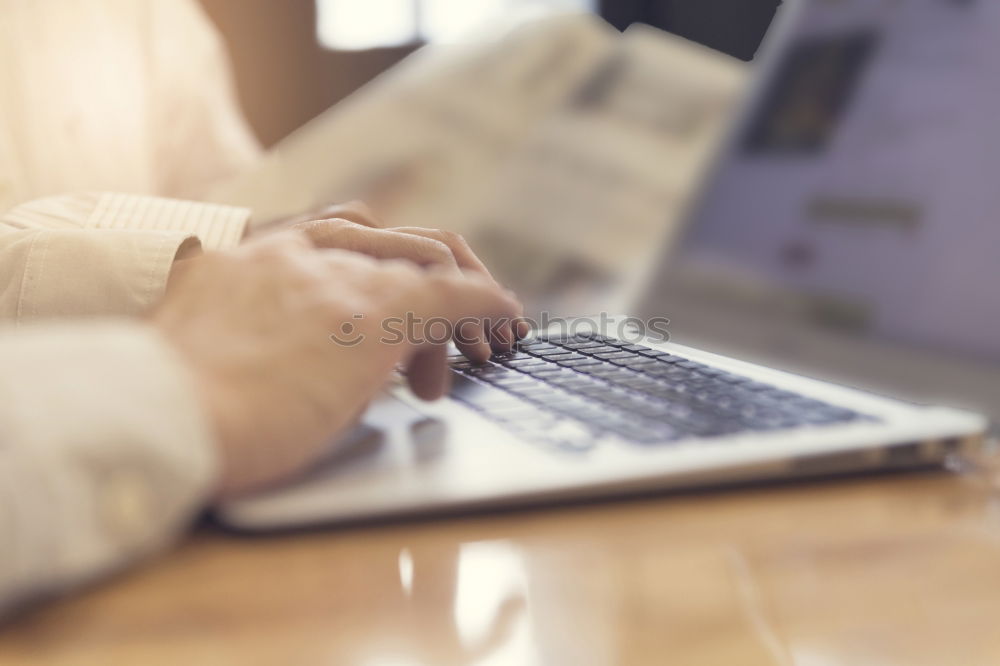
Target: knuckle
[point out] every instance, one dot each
(333, 224)
(432, 250)
(439, 249)
(452, 237)
(446, 236)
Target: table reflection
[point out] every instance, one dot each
(464, 605)
(888, 570)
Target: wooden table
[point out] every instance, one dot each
(887, 570)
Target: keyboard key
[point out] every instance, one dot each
(605, 370)
(635, 348)
(669, 359)
(597, 351)
(511, 356)
(615, 354)
(642, 364)
(640, 382)
(572, 382)
(580, 362)
(625, 361)
(514, 380)
(663, 371)
(585, 344)
(547, 353)
(486, 370)
(531, 392)
(530, 362)
(559, 338)
(568, 356)
(533, 347)
(547, 370)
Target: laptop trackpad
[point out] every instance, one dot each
(390, 430)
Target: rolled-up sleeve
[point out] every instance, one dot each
(100, 254)
(105, 454)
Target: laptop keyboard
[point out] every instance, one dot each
(570, 392)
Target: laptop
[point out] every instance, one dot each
(829, 291)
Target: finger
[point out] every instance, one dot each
(522, 329)
(501, 336)
(460, 249)
(356, 211)
(379, 243)
(472, 341)
(427, 372)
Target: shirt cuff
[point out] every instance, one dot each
(79, 273)
(218, 227)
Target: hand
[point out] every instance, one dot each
(256, 328)
(354, 226)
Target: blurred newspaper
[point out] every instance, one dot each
(564, 151)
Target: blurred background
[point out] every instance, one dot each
(336, 46)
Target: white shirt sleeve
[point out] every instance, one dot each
(105, 454)
(100, 254)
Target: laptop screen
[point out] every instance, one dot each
(865, 175)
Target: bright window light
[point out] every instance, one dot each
(365, 24)
(449, 20)
(446, 20)
(352, 25)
